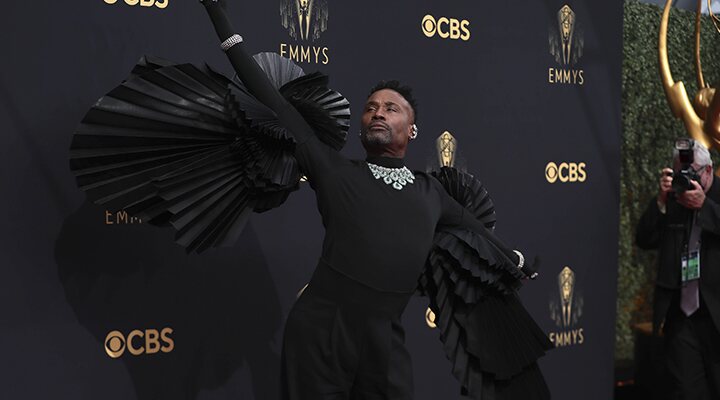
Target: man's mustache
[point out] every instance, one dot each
(376, 124)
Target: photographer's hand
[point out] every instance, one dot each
(692, 199)
(665, 185)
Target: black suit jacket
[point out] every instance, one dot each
(667, 233)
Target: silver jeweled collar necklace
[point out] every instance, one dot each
(395, 177)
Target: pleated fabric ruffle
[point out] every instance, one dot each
(325, 110)
(491, 341)
(181, 145)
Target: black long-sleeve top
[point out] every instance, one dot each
(374, 233)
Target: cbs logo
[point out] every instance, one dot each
(565, 172)
(446, 27)
(142, 3)
(139, 342)
(430, 318)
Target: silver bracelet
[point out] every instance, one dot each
(521, 263)
(230, 42)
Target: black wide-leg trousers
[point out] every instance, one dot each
(693, 354)
(344, 341)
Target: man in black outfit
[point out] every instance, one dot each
(343, 338)
(683, 227)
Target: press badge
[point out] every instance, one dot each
(691, 266)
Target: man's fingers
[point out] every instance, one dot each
(666, 183)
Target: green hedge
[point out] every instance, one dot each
(649, 130)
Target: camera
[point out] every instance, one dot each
(685, 174)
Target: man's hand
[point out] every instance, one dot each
(665, 184)
(692, 199)
(531, 270)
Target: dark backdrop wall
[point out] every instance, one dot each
(94, 304)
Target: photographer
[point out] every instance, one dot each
(683, 223)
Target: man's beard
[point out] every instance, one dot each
(376, 138)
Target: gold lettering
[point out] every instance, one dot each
(442, 20)
(581, 172)
(129, 343)
(309, 54)
(573, 172)
(566, 76)
(454, 29)
(465, 27)
(294, 55)
(570, 76)
(304, 54)
(122, 217)
(108, 221)
(143, 3)
(152, 344)
(563, 177)
(566, 338)
(169, 343)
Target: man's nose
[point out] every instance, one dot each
(378, 114)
